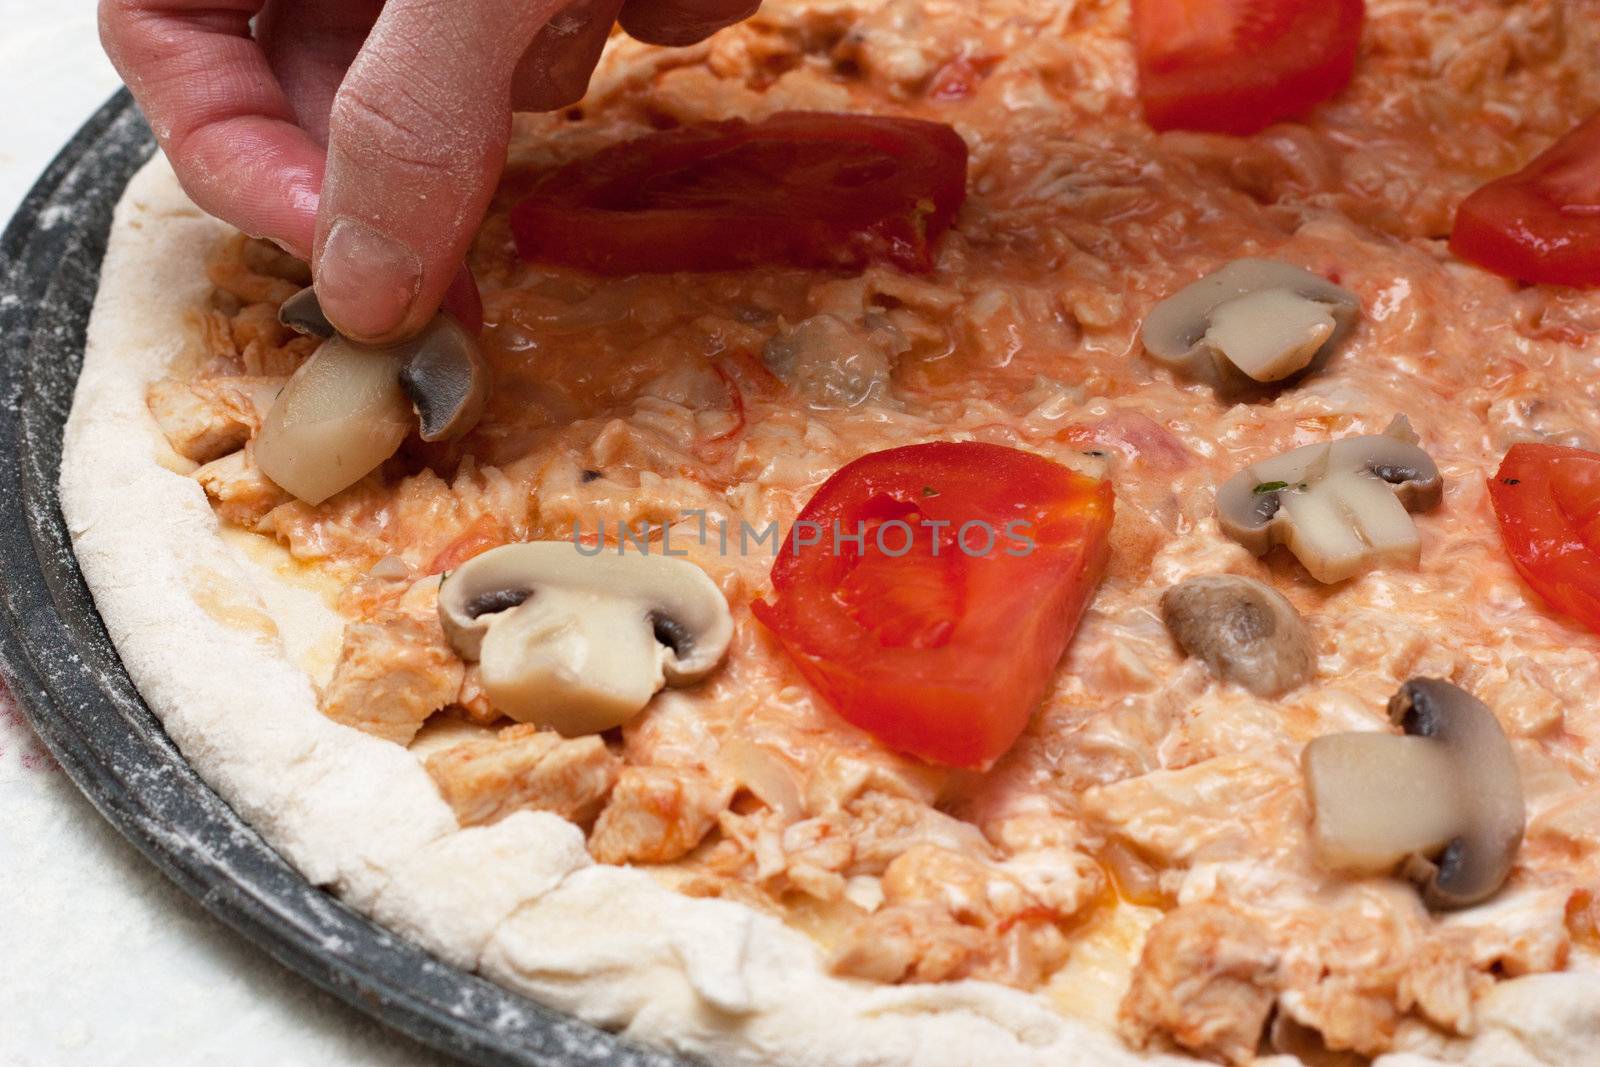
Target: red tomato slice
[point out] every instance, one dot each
(1541, 224)
(1236, 66)
(1575, 484)
(940, 643)
(1547, 498)
(807, 189)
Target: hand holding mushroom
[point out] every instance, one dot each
(366, 136)
(349, 407)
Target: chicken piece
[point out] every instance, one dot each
(1528, 934)
(486, 779)
(884, 827)
(1568, 832)
(210, 417)
(239, 492)
(1343, 967)
(1349, 1012)
(913, 943)
(416, 517)
(657, 814)
(395, 669)
(1440, 984)
(947, 916)
(972, 892)
(841, 777)
(472, 702)
(1207, 979)
(251, 275)
(815, 852)
(1218, 808)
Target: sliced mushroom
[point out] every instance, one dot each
(1246, 632)
(338, 431)
(340, 415)
(1340, 506)
(302, 313)
(581, 643)
(1443, 803)
(1253, 322)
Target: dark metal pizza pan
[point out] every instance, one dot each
(65, 672)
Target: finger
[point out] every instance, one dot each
(309, 44)
(554, 72)
(219, 114)
(416, 142)
(681, 22)
(464, 301)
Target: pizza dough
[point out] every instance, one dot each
(520, 900)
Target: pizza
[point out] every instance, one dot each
(997, 532)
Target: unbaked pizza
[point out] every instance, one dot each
(998, 532)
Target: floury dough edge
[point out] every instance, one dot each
(519, 901)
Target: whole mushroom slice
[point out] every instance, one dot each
(1251, 323)
(341, 414)
(1341, 506)
(1443, 803)
(1247, 632)
(580, 643)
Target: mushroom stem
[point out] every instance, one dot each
(340, 416)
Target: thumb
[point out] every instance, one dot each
(416, 143)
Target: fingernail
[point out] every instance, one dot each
(366, 280)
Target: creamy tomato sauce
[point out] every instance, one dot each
(1142, 853)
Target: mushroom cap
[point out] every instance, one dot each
(1337, 504)
(1246, 631)
(1443, 803)
(302, 313)
(580, 642)
(1251, 323)
(444, 373)
(341, 414)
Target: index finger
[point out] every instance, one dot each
(417, 139)
(218, 112)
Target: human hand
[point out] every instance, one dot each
(366, 137)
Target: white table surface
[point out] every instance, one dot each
(102, 961)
